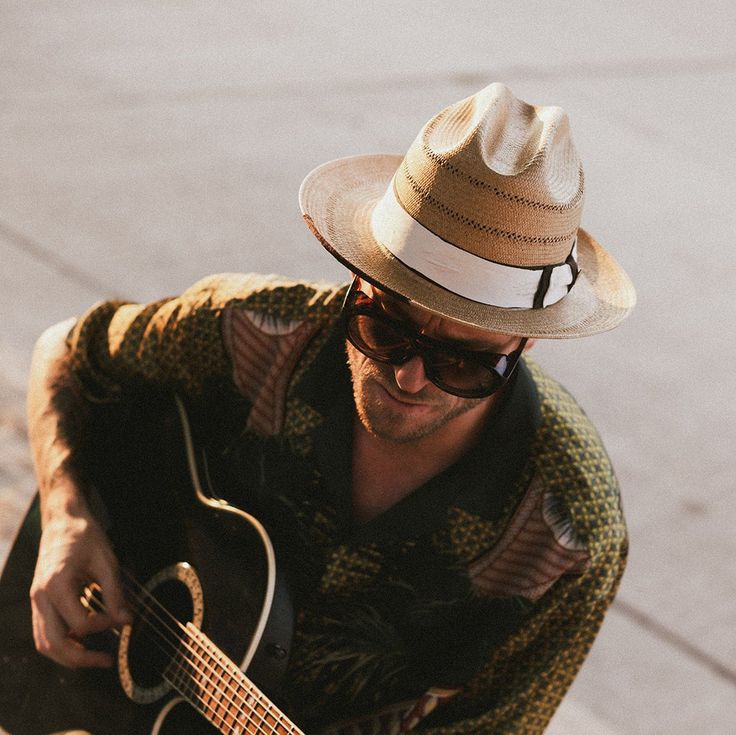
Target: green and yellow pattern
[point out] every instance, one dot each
(472, 618)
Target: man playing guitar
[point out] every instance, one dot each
(447, 515)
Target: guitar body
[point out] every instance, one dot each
(205, 561)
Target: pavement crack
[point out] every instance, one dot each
(29, 247)
(675, 640)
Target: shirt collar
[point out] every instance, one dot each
(481, 482)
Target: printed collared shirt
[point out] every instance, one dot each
(468, 606)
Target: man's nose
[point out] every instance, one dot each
(410, 376)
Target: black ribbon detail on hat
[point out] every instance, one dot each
(543, 287)
(546, 277)
(574, 268)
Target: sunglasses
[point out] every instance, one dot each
(461, 372)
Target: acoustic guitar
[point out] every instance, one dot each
(200, 579)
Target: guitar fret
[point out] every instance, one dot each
(241, 706)
(244, 695)
(184, 681)
(199, 687)
(204, 683)
(222, 705)
(224, 711)
(225, 703)
(231, 706)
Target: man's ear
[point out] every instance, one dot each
(529, 344)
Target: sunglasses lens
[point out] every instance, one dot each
(461, 376)
(377, 339)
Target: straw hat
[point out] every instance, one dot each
(479, 223)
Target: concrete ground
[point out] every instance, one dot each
(143, 145)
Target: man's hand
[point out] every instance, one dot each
(74, 551)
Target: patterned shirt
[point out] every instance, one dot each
(467, 607)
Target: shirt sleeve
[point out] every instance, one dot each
(521, 686)
(177, 342)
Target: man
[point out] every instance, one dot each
(448, 514)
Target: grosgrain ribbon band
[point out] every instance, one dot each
(463, 273)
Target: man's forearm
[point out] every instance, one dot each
(54, 405)
(73, 548)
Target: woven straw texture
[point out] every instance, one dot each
(498, 178)
(338, 199)
(490, 175)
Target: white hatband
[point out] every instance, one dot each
(461, 272)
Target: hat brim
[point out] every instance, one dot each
(337, 200)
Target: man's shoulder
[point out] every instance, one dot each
(279, 296)
(572, 463)
(564, 425)
(272, 329)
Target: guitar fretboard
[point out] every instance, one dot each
(220, 691)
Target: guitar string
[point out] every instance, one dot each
(185, 694)
(255, 694)
(198, 701)
(182, 671)
(195, 480)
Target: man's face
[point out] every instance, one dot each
(398, 403)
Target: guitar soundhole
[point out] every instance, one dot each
(156, 635)
(153, 652)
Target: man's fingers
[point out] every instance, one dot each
(115, 606)
(62, 596)
(73, 551)
(52, 640)
(95, 623)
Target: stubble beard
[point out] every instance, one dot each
(381, 420)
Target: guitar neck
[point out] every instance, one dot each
(221, 692)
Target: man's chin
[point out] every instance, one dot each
(391, 419)
(397, 433)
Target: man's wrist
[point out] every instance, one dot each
(62, 499)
